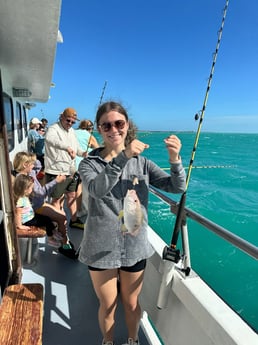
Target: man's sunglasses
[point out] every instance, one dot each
(106, 126)
(71, 122)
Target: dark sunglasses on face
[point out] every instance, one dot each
(106, 126)
(71, 122)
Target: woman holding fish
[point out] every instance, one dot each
(115, 244)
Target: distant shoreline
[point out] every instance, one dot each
(178, 131)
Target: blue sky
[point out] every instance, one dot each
(156, 57)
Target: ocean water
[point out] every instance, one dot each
(224, 188)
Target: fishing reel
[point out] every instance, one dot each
(171, 254)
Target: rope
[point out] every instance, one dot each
(208, 167)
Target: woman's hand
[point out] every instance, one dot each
(135, 148)
(174, 146)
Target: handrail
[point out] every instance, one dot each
(237, 241)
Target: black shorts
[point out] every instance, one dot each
(139, 266)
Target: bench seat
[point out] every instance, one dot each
(32, 232)
(21, 315)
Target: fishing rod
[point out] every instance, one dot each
(100, 101)
(170, 252)
(103, 92)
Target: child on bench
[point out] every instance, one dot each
(25, 215)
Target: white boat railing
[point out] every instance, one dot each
(237, 241)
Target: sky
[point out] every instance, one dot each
(155, 57)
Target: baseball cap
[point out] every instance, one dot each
(35, 120)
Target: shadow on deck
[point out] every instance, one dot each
(70, 304)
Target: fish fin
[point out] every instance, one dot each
(120, 214)
(123, 228)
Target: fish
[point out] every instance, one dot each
(132, 213)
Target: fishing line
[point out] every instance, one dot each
(100, 101)
(170, 253)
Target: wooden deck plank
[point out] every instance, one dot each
(21, 315)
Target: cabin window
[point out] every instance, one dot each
(8, 113)
(25, 122)
(19, 122)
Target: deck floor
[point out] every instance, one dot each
(70, 304)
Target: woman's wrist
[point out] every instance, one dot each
(127, 154)
(175, 159)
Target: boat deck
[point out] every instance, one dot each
(70, 304)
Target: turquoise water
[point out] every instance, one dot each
(224, 188)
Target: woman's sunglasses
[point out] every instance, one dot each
(106, 126)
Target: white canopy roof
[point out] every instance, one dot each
(28, 38)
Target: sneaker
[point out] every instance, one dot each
(108, 343)
(132, 342)
(53, 242)
(71, 244)
(68, 250)
(76, 224)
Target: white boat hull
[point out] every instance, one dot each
(194, 314)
